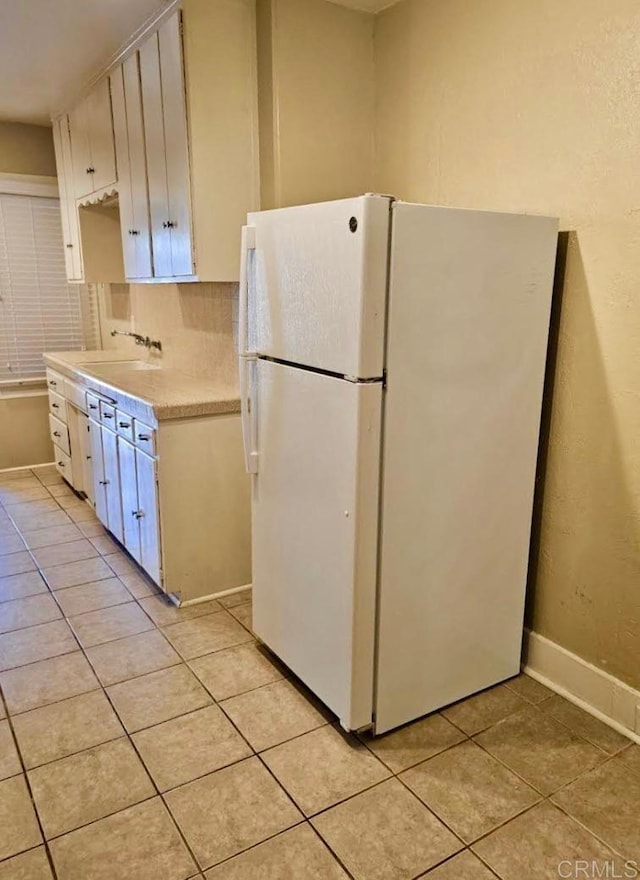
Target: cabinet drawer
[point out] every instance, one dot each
(93, 406)
(145, 437)
(75, 394)
(108, 415)
(124, 425)
(55, 382)
(59, 434)
(63, 463)
(58, 405)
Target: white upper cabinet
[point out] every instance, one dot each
(165, 120)
(132, 170)
(92, 147)
(70, 230)
(80, 150)
(180, 115)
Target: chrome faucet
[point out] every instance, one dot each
(140, 340)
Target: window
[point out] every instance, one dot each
(39, 310)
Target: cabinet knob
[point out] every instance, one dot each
(57, 434)
(134, 232)
(104, 482)
(69, 245)
(91, 170)
(55, 406)
(169, 224)
(61, 464)
(137, 513)
(52, 382)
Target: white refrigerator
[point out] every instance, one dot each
(392, 361)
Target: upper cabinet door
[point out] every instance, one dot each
(81, 150)
(125, 199)
(68, 211)
(103, 157)
(176, 145)
(156, 162)
(132, 171)
(137, 169)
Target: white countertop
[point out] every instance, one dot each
(156, 393)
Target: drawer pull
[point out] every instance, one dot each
(169, 224)
(137, 513)
(104, 482)
(69, 246)
(61, 464)
(124, 424)
(144, 437)
(55, 406)
(57, 434)
(107, 415)
(93, 406)
(52, 382)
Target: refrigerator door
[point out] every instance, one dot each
(315, 523)
(469, 303)
(317, 278)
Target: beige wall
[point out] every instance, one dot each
(26, 149)
(196, 323)
(24, 429)
(315, 88)
(532, 105)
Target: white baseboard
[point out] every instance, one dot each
(594, 690)
(209, 596)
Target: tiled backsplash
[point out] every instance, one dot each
(196, 323)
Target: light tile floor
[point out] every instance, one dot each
(139, 741)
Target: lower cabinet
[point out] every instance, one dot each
(139, 487)
(106, 478)
(86, 456)
(80, 451)
(99, 485)
(129, 489)
(125, 489)
(112, 482)
(174, 492)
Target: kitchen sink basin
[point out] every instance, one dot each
(120, 366)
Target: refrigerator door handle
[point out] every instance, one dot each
(247, 412)
(247, 243)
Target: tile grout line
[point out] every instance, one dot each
(127, 734)
(27, 783)
(184, 661)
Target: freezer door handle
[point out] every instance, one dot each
(247, 412)
(247, 243)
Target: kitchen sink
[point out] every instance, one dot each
(120, 366)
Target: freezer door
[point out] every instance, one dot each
(469, 303)
(317, 278)
(315, 518)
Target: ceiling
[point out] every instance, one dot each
(51, 49)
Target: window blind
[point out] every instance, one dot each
(39, 310)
